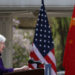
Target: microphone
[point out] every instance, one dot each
(34, 62)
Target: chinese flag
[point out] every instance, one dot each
(69, 53)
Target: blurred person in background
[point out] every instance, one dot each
(2, 68)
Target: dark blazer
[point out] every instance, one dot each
(3, 69)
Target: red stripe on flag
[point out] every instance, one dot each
(53, 51)
(42, 65)
(33, 55)
(30, 65)
(50, 61)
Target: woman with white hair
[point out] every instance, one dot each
(2, 68)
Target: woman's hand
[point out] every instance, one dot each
(22, 68)
(25, 68)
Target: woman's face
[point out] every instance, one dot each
(2, 46)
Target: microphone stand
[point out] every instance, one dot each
(38, 65)
(36, 62)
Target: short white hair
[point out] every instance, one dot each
(2, 38)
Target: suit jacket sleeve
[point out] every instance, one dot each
(3, 69)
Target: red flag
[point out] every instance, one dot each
(69, 54)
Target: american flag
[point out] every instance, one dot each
(43, 46)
